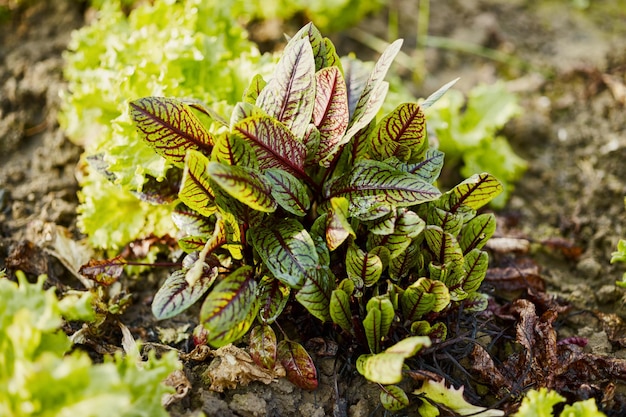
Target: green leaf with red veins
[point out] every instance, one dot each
(408, 226)
(476, 191)
(401, 265)
(263, 347)
(192, 243)
(330, 113)
(386, 367)
(372, 325)
(233, 150)
(403, 127)
(230, 308)
(356, 74)
(287, 249)
(275, 146)
(373, 93)
(323, 48)
(244, 110)
(339, 309)
(393, 398)
(298, 365)
(273, 296)
(385, 306)
(290, 95)
(176, 295)
(311, 141)
(383, 225)
(254, 89)
(288, 191)
(422, 297)
(170, 127)
(363, 265)
(475, 266)
(444, 246)
(315, 293)
(376, 183)
(191, 222)
(338, 226)
(477, 231)
(246, 185)
(195, 190)
(449, 222)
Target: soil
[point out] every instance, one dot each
(571, 77)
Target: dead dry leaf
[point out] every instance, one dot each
(233, 366)
(178, 380)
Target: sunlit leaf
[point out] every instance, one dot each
(254, 88)
(104, 272)
(477, 190)
(386, 367)
(245, 184)
(176, 295)
(288, 191)
(452, 399)
(373, 182)
(170, 127)
(191, 244)
(363, 265)
(263, 346)
(338, 227)
(195, 190)
(274, 144)
(393, 398)
(287, 250)
(330, 113)
(449, 222)
(432, 99)
(374, 92)
(273, 297)
(424, 296)
(233, 150)
(477, 231)
(191, 222)
(230, 308)
(356, 74)
(315, 293)
(290, 94)
(298, 364)
(444, 245)
(340, 309)
(403, 128)
(323, 48)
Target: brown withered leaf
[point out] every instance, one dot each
(104, 272)
(614, 327)
(27, 257)
(178, 380)
(485, 368)
(567, 247)
(233, 366)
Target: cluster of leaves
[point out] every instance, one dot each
(620, 256)
(541, 403)
(303, 195)
(467, 132)
(42, 378)
(160, 48)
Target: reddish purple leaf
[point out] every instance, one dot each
(263, 346)
(298, 364)
(104, 272)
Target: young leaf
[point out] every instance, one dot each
(387, 311)
(401, 265)
(393, 398)
(477, 231)
(251, 93)
(375, 182)
(432, 99)
(245, 184)
(374, 92)
(323, 49)
(274, 144)
(422, 297)
(364, 266)
(330, 114)
(338, 227)
(386, 367)
(451, 399)
(273, 297)
(195, 190)
(449, 222)
(230, 308)
(288, 191)
(290, 95)
(372, 326)
(263, 346)
(444, 246)
(176, 295)
(408, 226)
(298, 365)
(403, 128)
(169, 126)
(340, 309)
(315, 293)
(477, 190)
(287, 250)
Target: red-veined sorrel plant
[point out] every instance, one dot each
(303, 196)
